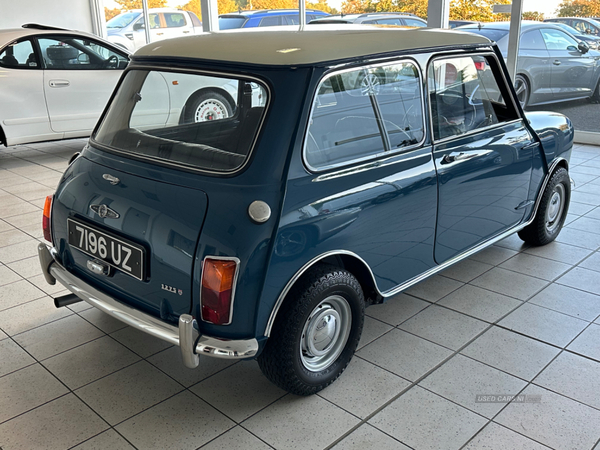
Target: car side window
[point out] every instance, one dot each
(174, 20)
(388, 22)
(272, 21)
(465, 96)
(414, 23)
(70, 53)
(19, 55)
(365, 112)
(557, 39)
(532, 40)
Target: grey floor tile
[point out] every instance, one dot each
(555, 421)
(60, 424)
(127, 392)
(372, 329)
(79, 306)
(480, 303)
(466, 270)
(466, 382)
(594, 213)
(31, 315)
(7, 276)
(363, 388)
(53, 290)
(558, 251)
(367, 437)
(182, 422)
(535, 266)
(584, 279)
(56, 337)
(26, 389)
(566, 300)
(316, 423)
(444, 326)
(141, 343)
(25, 219)
(586, 197)
(3, 335)
(16, 252)
(108, 440)
(434, 288)
(511, 352)
(237, 439)
(5, 226)
(424, 420)
(497, 437)
(89, 362)
(12, 237)
(581, 209)
(544, 324)
(28, 267)
(514, 242)
(170, 362)
(493, 255)
(404, 354)
(100, 319)
(397, 309)
(17, 293)
(586, 224)
(13, 357)
(592, 262)
(587, 343)
(579, 238)
(238, 391)
(573, 376)
(509, 283)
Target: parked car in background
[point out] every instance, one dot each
(460, 23)
(552, 66)
(582, 24)
(127, 30)
(266, 233)
(384, 18)
(54, 83)
(266, 18)
(591, 40)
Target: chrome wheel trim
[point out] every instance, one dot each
(522, 90)
(211, 109)
(369, 84)
(555, 209)
(325, 333)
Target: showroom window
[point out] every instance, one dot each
(19, 55)
(79, 54)
(362, 113)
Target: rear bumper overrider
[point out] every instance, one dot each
(186, 336)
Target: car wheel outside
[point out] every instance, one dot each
(552, 211)
(596, 95)
(206, 105)
(316, 332)
(522, 89)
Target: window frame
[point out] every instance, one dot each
(373, 156)
(504, 90)
(34, 47)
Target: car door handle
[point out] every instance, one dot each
(159, 34)
(186, 31)
(447, 159)
(556, 62)
(59, 83)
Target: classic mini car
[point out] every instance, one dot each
(265, 234)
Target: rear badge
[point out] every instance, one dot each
(171, 289)
(105, 212)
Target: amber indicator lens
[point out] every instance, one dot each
(218, 277)
(46, 219)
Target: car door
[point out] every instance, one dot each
(482, 150)
(571, 70)
(177, 24)
(23, 113)
(79, 77)
(534, 63)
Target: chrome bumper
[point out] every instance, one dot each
(186, 336)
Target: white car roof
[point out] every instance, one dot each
(315, 43)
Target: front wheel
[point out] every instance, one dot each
(206, 105)
(522, 90)
(552, 211)
(316, 333)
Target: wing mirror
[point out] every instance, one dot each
(583, 47)
(138, 26)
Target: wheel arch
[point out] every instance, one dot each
(339, 258)
(554, 166)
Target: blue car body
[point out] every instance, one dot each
(391, 219)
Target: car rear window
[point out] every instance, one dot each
(186, 119)
(229, 23)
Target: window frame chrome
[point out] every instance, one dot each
(374, 156)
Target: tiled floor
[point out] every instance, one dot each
(510, 320)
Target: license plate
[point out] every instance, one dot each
(118, 253)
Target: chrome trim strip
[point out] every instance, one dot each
(206, 345)
(235, 277)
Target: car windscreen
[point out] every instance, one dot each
(228, 23)
(189, 120)
(122, 20)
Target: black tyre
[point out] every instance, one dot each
(522, 89)
(596, 95)
(552, 211)
(207, 105)
(316, 332)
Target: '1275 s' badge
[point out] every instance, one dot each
(171, 289)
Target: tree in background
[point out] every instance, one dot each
(579, 8)
(110, 13)
(533, 15)
(127, 5)
(223, 7)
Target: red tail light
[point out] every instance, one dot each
(46, 219)
(480, 65)
(218, 286)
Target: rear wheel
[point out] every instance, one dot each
(206, 105)
(316, 333)
(552, 211)
(522, 90)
